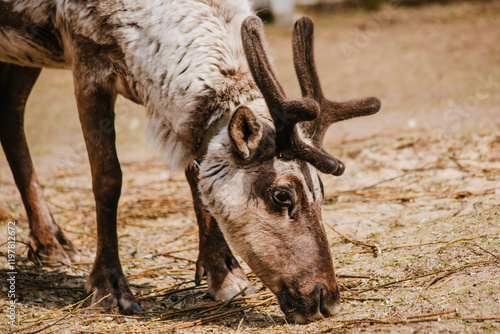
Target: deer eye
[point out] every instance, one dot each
(282, 197)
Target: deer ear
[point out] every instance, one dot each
(245, 132)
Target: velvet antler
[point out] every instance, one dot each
(286, 113)
(305, 67)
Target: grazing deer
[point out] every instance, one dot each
(215, 109)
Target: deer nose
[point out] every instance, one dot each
(329, 303)
(320, 303)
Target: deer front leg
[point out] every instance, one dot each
(95, 100)
(48, 243)
(225, 277)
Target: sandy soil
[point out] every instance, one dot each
(414, 222)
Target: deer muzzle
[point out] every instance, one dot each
(318, 304)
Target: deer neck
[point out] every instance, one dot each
(213, 130)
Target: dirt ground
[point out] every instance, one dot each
(414, 223)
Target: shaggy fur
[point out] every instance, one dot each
(182, 60)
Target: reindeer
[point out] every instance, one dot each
(216, 110)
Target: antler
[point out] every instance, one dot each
(331, 111)
(286, 113)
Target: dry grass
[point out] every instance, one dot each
(414, 223)
(417, 250)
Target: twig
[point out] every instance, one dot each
(184, 232)
(427, 243)
(447, 272)
(396, 196)
(171, 292)
(384, 181)
(364, 298)
(375, 248)
(242, 291)
(486, 251)
(456, 212)
(355, 276)
(393, 282)
(431, 314)
(466, 287)
(440, 276)
(239, 325)
(178, 251)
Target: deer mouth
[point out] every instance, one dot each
(319, 304)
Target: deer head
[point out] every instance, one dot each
(259, 178)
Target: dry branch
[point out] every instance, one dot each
(426, 244)
(443, 272)
(375, 247)
(371, 196)
(486, 251)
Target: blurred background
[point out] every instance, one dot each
(435, 66)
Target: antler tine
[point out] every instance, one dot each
(303, 56)
(252, 34)
(305, 67)
(286, 113)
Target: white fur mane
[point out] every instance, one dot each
(183, 60)
(177, 54)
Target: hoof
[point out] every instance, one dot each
(234, 282)
(54, 250)
(110, 289)
(225, 279)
